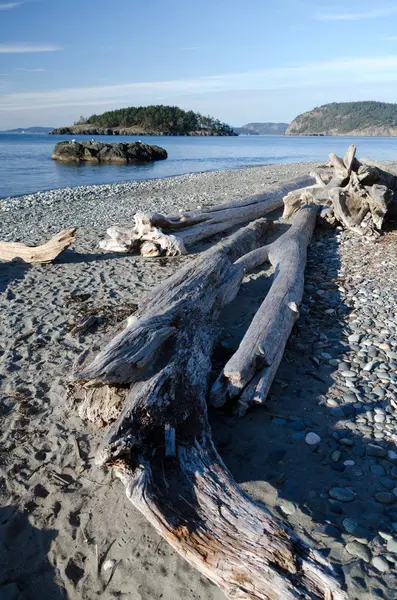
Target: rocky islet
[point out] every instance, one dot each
(98, 152)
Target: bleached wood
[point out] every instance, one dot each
(348, 159)
(10, 251)
(273, 322)
(358, 196)
(160, 445)
(156, 234)
(124, 358)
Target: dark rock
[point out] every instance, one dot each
(385, 497)
(374, 450)
(97, 152)
(342, 494)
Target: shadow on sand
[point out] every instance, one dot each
(25, 572)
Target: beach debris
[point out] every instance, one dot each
(15, 251)
(109, 564)
(171, 235)
(357, 195)
(159, 442)
(84, 324)
(249, 373)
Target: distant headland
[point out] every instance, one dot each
(28, 130)
(147, 120)
(347, 118)
(262, 129)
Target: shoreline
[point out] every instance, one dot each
(102, 186)
(96, 207)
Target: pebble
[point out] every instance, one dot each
(392, 545)
(350, 525)
(380, 564)
(377, 470)
(288, 508)
(109, 564)
(374, 450)
(312, 438)
(359, 550)
(385, 498)
(342, 494)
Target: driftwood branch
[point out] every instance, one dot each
(46, 253)
(358, 196)
(156, 234)
(250, 371)
(160, 442)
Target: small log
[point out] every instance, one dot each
(263, 345)
(10, 251)
(156, 234)
(161, 446)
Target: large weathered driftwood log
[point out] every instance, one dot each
(10, 251)
(358, 196)
(155, 234)
(161, 445)
(250, 371)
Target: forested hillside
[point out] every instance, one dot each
(347, 118)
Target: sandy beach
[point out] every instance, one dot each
(67, 529)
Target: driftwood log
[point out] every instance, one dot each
(15, 251)
(250, 371)
(357, 196)
(160, 442)
(156, 234)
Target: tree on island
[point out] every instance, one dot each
(158, 118)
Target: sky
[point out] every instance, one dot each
(236, 60)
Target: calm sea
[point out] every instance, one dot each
(26, 165)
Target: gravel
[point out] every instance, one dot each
(99, 206)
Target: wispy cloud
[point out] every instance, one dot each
(30, 70)
(342, 71)
(391, 38)
(19, 48)
(370, 14)
(9, 5)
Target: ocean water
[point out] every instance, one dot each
(26, 165)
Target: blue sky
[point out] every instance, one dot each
(238, 60)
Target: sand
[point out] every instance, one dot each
(62, 519)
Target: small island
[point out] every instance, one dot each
(147, 120)
(347, 118)
(97, 152)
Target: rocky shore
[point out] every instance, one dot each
(322, 454)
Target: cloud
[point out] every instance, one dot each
(342, 71)
(10, 5)
(17, 48)
(370, 14)
(30, 70)
(391, 38)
